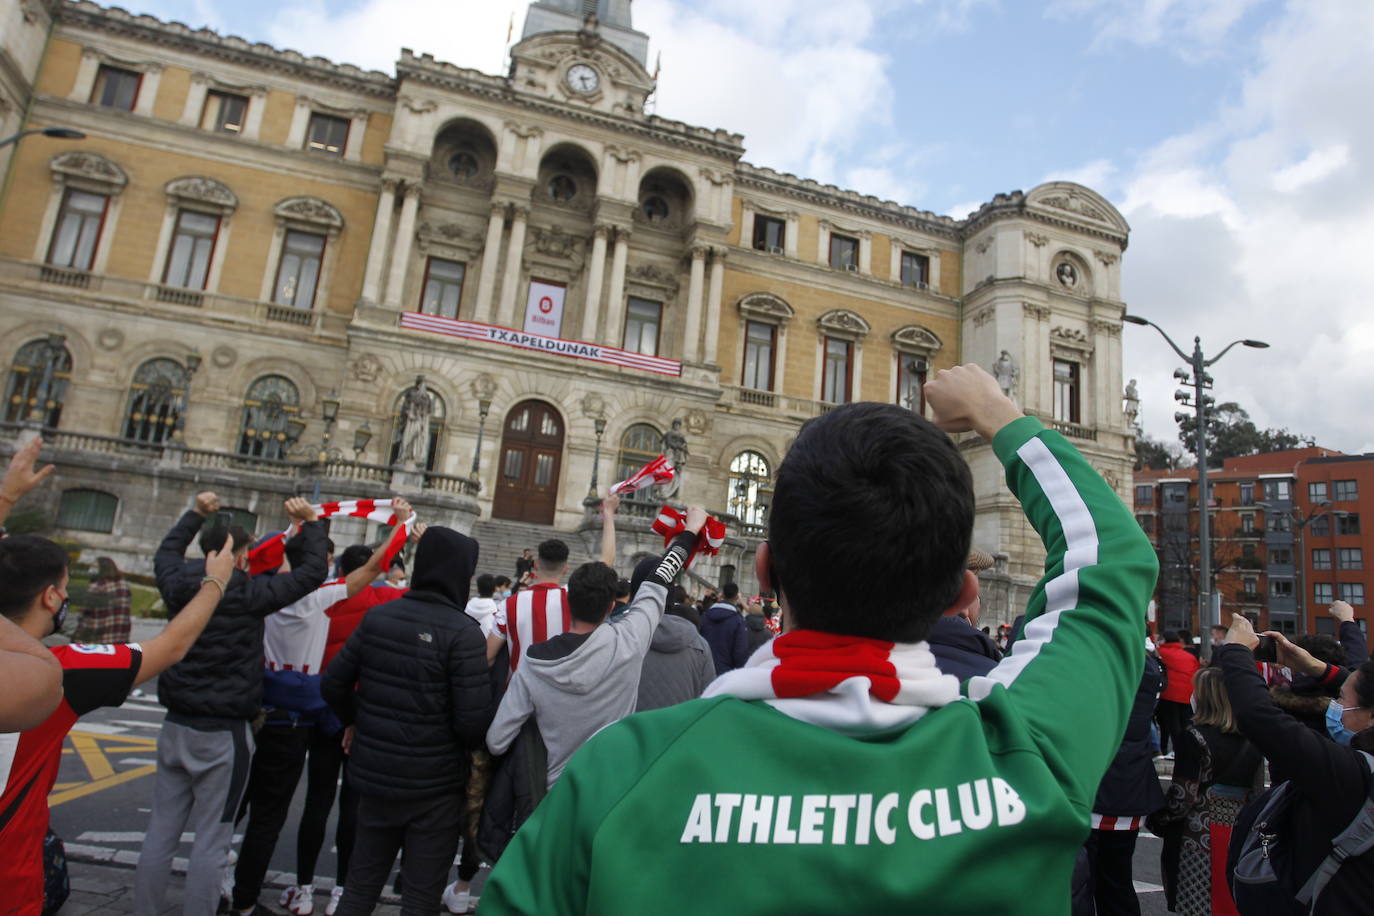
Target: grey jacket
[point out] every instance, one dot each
(574, 697)
(678, 666)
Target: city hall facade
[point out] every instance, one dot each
(253, 256)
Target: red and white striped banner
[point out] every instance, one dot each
(269, 553)
(670, 523)
(656, 472)
(557, 346)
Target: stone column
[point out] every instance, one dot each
(515, 251)
(381, 236)
(491, 259)
(400, 254)
(596, 272)
(611, 332)
(692, 333)
(713, 303)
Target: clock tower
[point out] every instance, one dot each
(584, 53)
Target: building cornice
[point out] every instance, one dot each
(1016, 205)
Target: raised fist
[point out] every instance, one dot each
(206, 503)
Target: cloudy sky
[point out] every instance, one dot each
(1235, 135)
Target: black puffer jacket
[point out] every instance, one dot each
(221, 677)
(414, 680)
(1130, 786)
(961, 649)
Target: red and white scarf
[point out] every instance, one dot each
(670, 523)
(655, 473)
(848, 684)
(269, 554)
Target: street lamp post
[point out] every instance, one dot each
(57, 133)
(483, 408)
(322, 452)
(1201, 382)
(179, 430)
(599, 424)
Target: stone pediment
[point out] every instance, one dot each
(89, 166)
(843, 323)
(1067, 200)
(916, 339)
(200, 189)
(766, 307)
(310, 210)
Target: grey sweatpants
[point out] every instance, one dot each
(200, 780)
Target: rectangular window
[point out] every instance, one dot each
(1250, 584)
(844, 252)
(224, 112)
(1322, 593)
(835, 380)
(1316, 492)
(1277, 491)
(116, 88)
(1281, 556)
(1144, 495)
(1146, 521)
(193, 244)
(1247, 522)
(87, 510)
(1348, 524)
(327, 134)
(78, 229)
(1321, 558)
(759, 339)
(1278, 521)
(1346, 490)
(1066, 407)
(911, 380)
(443, 287)
(915, 270)
(299, 271)
(1281, 588)
(1321, 526)
(1350, 558)
(770, 234)
(1247, 494)
(1352, 592)
(642, 319)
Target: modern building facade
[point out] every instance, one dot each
(253, 248)
(1286, 532)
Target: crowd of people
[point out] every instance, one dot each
(611, 744)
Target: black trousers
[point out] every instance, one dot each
(1173, 719)
(326, 761)
(1109, 858)
(277, 765)
(429, 828)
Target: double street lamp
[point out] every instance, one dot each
(322, 452)
(1201, 382)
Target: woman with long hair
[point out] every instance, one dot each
(107, 617)
(1216, 771)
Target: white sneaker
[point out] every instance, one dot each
(334, 896)
(456, 901)
(298, 901)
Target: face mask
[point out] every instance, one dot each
(61, 616)
(1335, 726)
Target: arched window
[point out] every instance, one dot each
(155, 400)
(639, 445)
(271, 403)
(32, 366)
(436, 431)
(751, 488)
(87, 510)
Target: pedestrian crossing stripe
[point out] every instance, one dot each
(95, 751)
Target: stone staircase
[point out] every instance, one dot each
(502, 541)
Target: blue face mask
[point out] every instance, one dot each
(1335, 727)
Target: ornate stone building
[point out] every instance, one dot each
(252, 248)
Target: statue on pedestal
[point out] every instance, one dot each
(1006, 373)
(675, 450)
(417, 407)
(1132, 409)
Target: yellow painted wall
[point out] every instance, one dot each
(276, 120)
(172, 90)
(374, 138)
(58, 74)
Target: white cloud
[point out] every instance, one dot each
(1317, 165)
(1189, 27)
(962, 210)
(1095, 174)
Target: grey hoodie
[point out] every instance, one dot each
(576, 695)
(678, 666)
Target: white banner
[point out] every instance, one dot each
(544, 311)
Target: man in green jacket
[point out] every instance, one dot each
(840, 757)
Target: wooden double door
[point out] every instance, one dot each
(530, 462)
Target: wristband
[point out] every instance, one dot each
(218, 584)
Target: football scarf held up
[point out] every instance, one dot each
(269, 553)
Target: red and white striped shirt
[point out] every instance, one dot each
(1111, 822)
(532, 615)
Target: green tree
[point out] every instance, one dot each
(1151, 453)
(1231, 434)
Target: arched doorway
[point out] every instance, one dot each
(531, 457)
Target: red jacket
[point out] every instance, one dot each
(345, 616)
(1181, 665)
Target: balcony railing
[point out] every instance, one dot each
(64, 276)
(179, 296)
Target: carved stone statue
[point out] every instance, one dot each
(417, 406)
(1006, 373)
(675, 450)
(1132, 409)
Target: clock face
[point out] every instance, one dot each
(582, 78)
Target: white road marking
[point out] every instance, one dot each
(95, 728)
(135, 723)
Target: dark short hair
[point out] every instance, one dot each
(1321, 647)
(28, 565)
(591, 589)
(1169, 636)
(553, 552)
(502, 581)
(486, 585)
(730, 591)
(677, 594)
(354, 557)
(397, 563)
(212, 538)
(881, 496)
(622, 589)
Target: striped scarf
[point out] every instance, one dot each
(269, 553)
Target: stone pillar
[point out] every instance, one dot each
(596, 272)
(515, 250)
(713, 303)
(615, 307)
(400, 254)
(491, 258)
(381, 236)
(692, 333)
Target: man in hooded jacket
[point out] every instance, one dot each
(412, 684)
(724, 629)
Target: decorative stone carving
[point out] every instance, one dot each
(915, 339)
(843, 323)
(417, 406)
(483, 387)
(223, 356)
(1038, 312)
(765, 307)
(445, 231)
(1059, 332)
(1073, 203)
(593, 405)
(1105, 328)
(984, 244)
(90, 166)
(203, 190)
(653, 275)
(556, 243)
(417, 106)
(675, 450)
(1037, 239)
(310, 210)
(1106, 257)
(367, 368)
(1006, 373)
(1066, 274)
(984, 316)
(525, 131)
(698, 422)
(1131, 408)
(110, 338)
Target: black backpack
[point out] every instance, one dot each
(1259, 861)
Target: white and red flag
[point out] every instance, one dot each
(655, 473)
(268, 554)
(670, 523)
